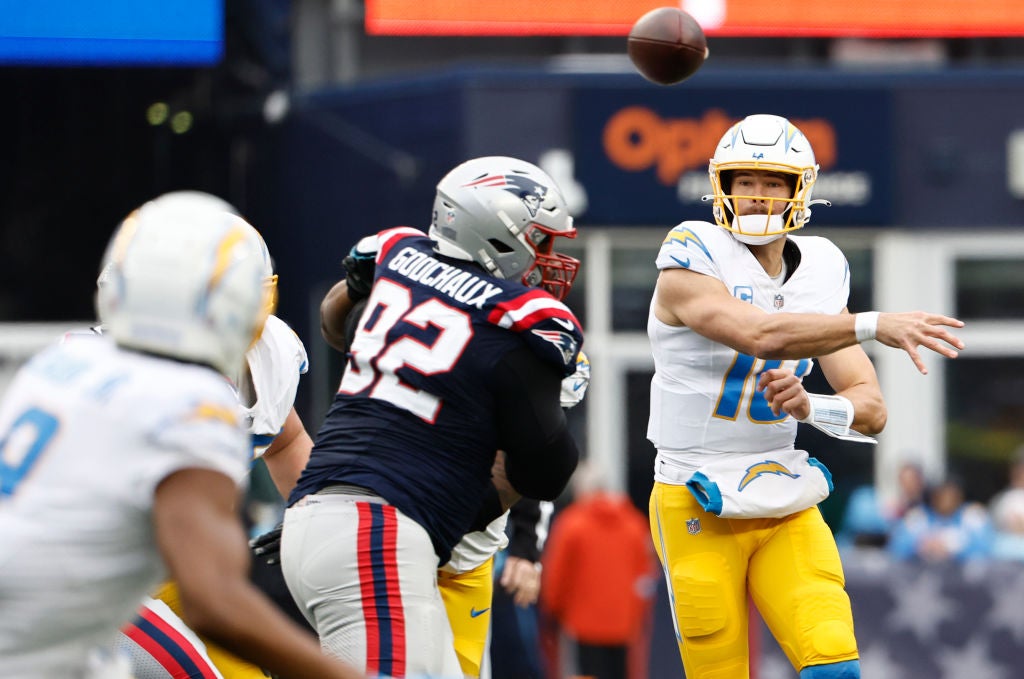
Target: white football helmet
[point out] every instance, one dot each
(768, 143)
(504, 214)
(184, 278)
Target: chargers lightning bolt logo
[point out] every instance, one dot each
(686, 237)
(766, 467)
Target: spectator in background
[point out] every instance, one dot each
(868, 520)
(597, 580)
(912, 485)
(1007, 510)
(945, 528)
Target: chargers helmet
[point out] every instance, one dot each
(184, 278)
(767, 143)
(505, 214)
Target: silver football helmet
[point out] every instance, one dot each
(767, 143)
(505, 214)
(188, 280)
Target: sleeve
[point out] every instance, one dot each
(532, 430)
(836, 293)
(685, 247)
(276, 363)
(202, 430)
(528, 521)
(547, 326)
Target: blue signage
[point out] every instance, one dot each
(642, 154)
(112, 32)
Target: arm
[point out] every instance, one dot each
(334, 309)
(288, 453)
(849, 372)
(540, 454)
(204, 547)
(703, 304)
(521, 575)
(360, 266)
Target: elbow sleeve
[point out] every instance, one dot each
(542, 472)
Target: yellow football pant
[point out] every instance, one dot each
(467, 599)
(229, 665)
(790, 566)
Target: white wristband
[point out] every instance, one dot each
(865, 325)
(831, 411)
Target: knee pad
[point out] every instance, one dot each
(849, 669)
(827, 619)
(703, 600)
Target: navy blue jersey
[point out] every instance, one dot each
(414, 417)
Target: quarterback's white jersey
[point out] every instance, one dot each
(703, 394)
(276, 362)
(87, 432)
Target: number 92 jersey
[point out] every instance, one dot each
(415, 417)
(703, 394)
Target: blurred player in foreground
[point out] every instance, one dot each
(461, 352)
(122, 460)
(740, 311)
(159, 643)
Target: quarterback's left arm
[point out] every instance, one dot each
(849, 372)
(288, 454)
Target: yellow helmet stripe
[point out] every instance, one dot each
(223, 256)
(125, 236)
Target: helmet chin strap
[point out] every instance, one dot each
(745, 223)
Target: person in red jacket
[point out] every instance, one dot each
(597, 579)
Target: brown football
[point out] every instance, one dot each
(667, 45)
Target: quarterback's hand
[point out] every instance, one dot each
(574, 387)
(360, 264)
(521, 579)
(912, 329)
(267, 547)
(785, 393)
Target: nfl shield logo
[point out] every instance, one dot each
(779, 301)
(693, 526)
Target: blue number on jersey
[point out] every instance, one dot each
(733, 388)
(11, 474)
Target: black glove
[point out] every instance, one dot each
(359, 269)
(267, 547)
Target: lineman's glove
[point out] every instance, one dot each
(359, 264)
(574, 387)
(267, 547)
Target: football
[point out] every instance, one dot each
(667, 45)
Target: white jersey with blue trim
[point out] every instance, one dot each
(703, 394)
(276, 362)
(87, 432)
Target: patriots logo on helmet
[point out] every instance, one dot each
(530, 192)
(564, 342)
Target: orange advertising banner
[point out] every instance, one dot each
(727, 18)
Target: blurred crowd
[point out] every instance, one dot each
(933, 521)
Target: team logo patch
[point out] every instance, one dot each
(743, 293)
(780, 301)
(530, 192)
(693, 526)
(766, 467)
(562, 341)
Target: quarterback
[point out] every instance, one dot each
(741, 311)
